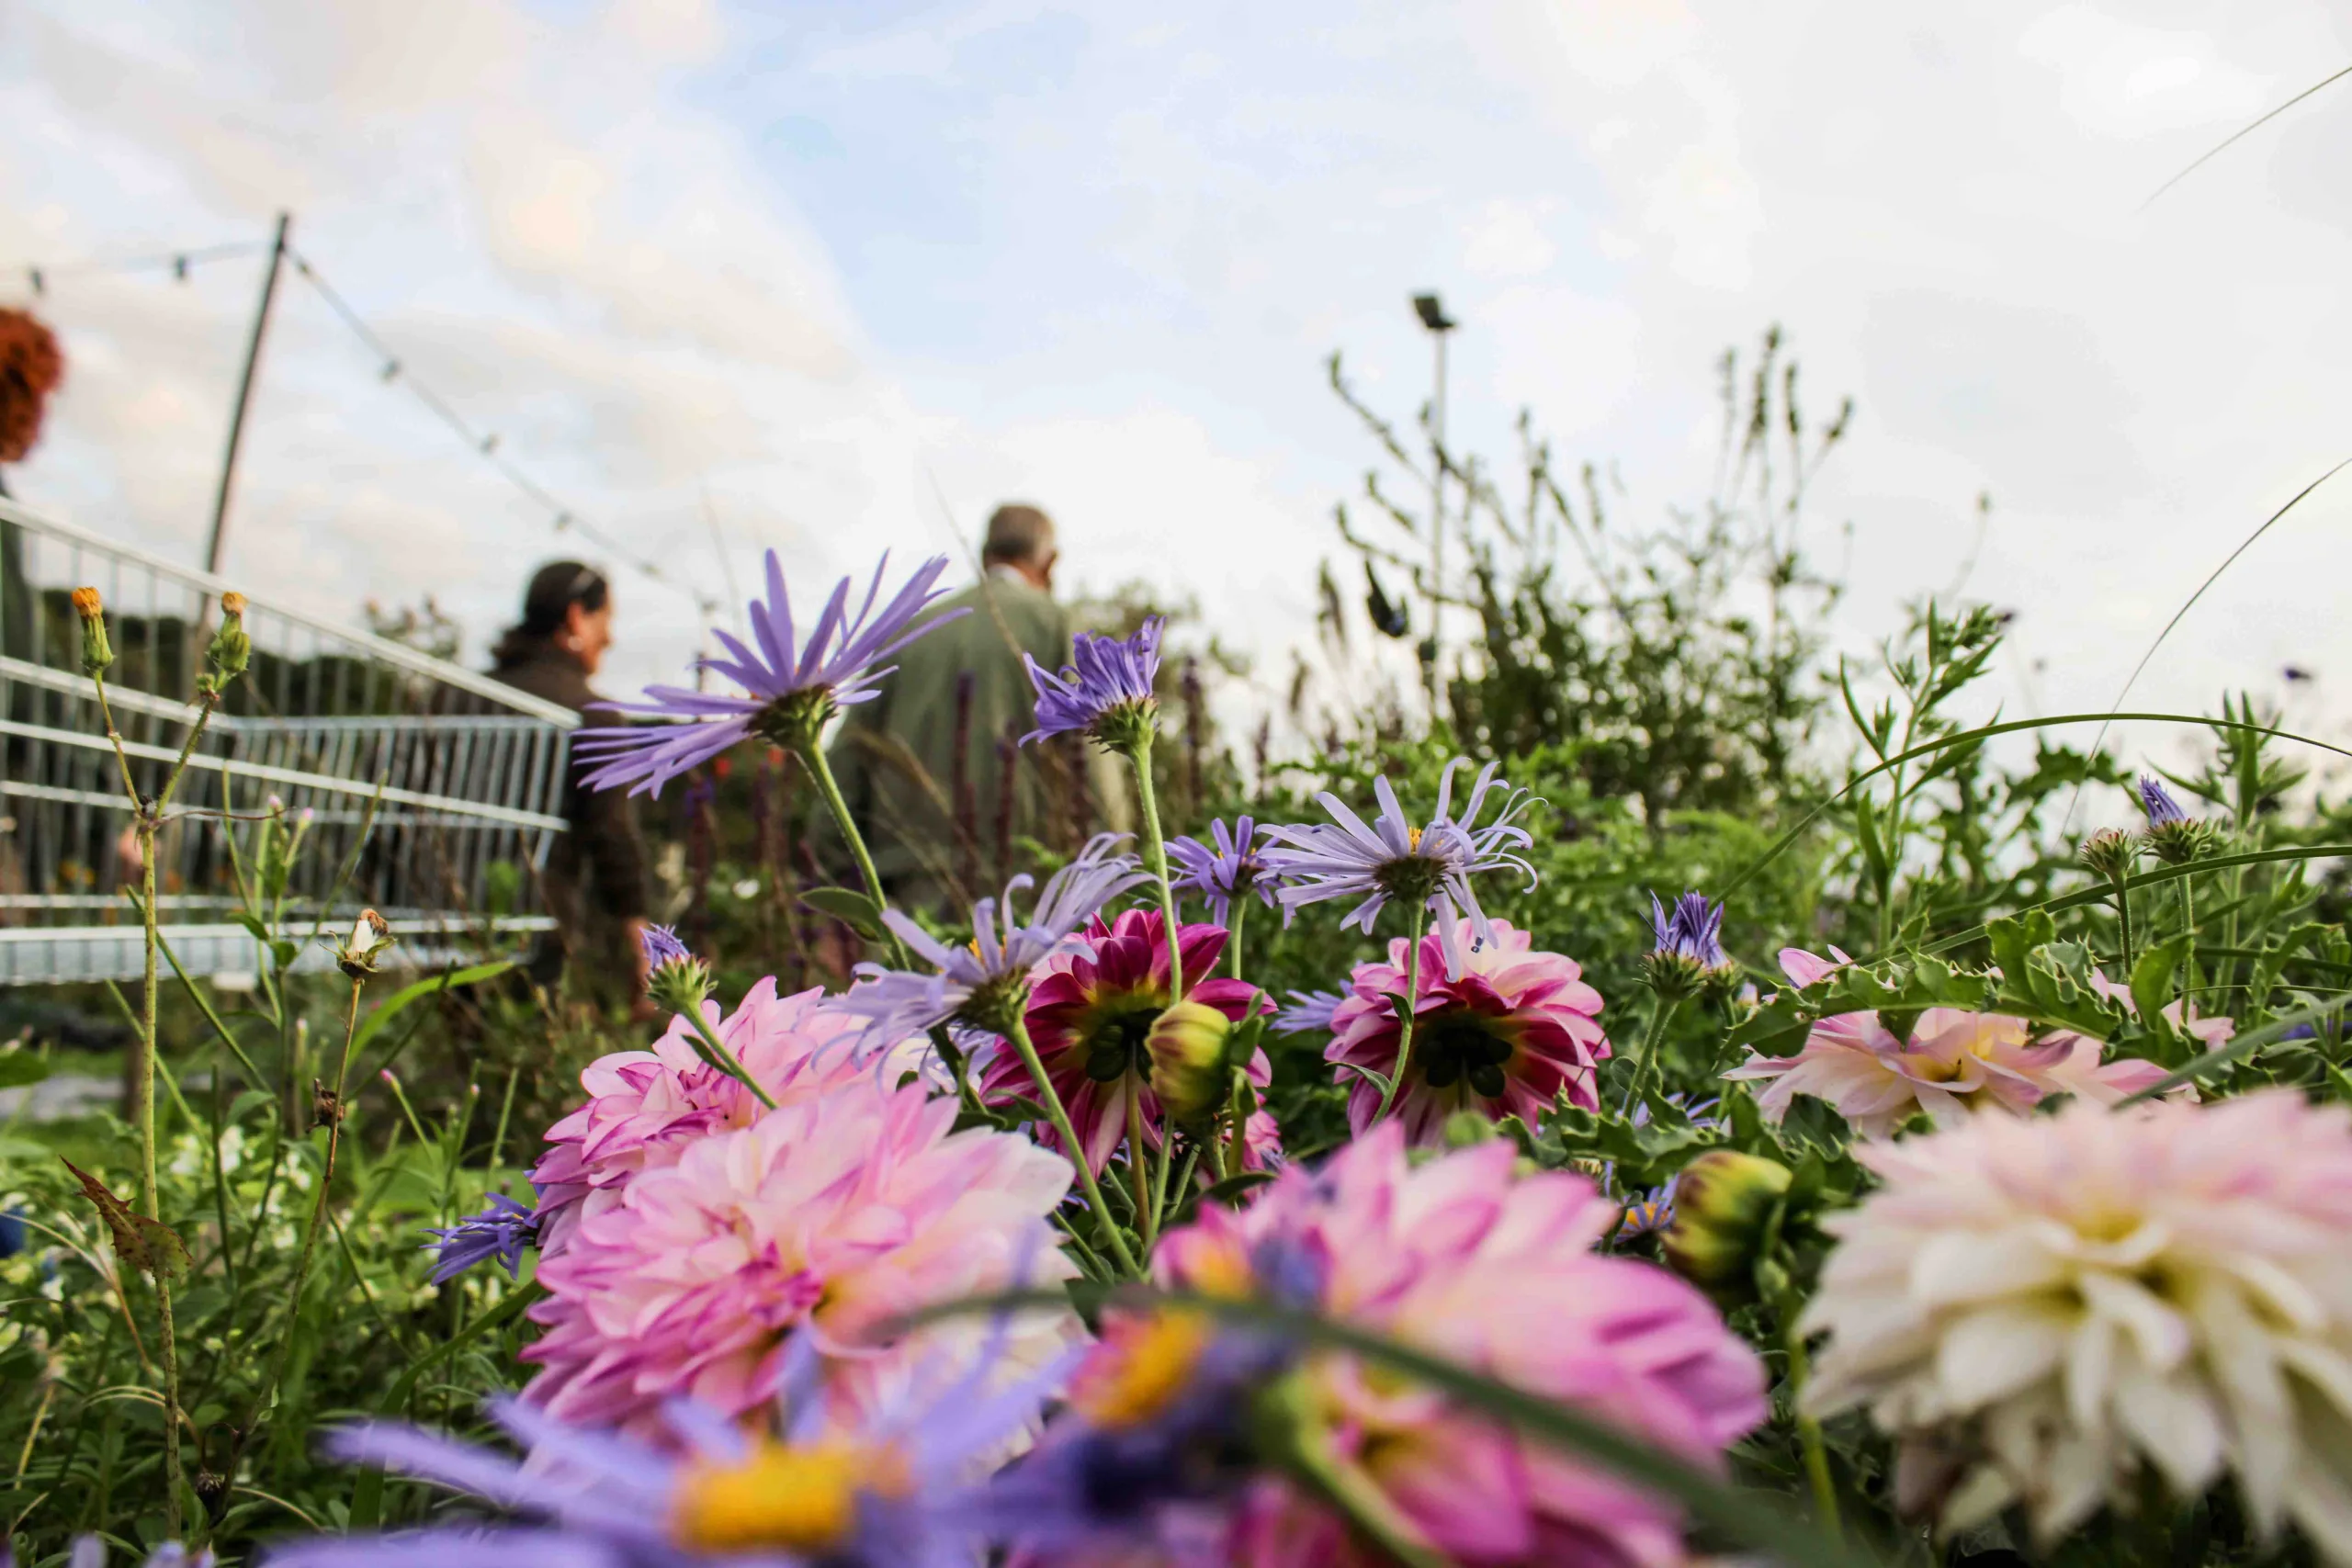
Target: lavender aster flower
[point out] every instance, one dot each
(791, 688)
(661, 946)
(1392, 858)
(1227, 872)
(1308, 1012)
(984, 983)
(1689, 948)
(2158, 802)
(1649, 1213)
(2175, 836)
(1105, 692)
(502, 1231)
(891, 1494)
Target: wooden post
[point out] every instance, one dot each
(245, 397)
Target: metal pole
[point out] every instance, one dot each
(245, 397)
(1437, 506)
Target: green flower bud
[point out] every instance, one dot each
(1465, 1129)
(678, 984)
(232, 649)
(96, 652)
(1722, 1201)
(1189, 1071)
(2110, 854)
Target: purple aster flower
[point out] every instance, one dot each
(1308, 1012)
(2158, 803)
(1106, 692)
(1227, 872)
(502, 1231)
(1649, 1213)
(891, 1494)
(1693, 931)
(661, 946)
(792, 688)
(1392, 858)
(977, 983)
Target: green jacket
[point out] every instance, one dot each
(937, 829)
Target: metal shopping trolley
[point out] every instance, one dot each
(457, 777)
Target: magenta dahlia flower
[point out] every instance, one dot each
(1462, 1256)
(2045, 1312)
(790, 687)
(1954, 1062)
(1506, 1035)
(1091, 1007)
(645, 1107)
(828, 1217)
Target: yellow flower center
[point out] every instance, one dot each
(794, 1499)
(1413, 840)
(1143, 1369)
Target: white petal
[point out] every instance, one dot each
(2171, 1423)
(1971, 1266)
(1996, 1352)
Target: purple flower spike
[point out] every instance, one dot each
(2158, 803)
(1309, 1013)
(791, 688)
(989, 974)
(1227, 872)
(1106, 692)
(1391, 859)
(501, 1231)
(1694, 930)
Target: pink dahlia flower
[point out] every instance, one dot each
(1954, 1062)
(1468, 1259)
(1089, 1013)
(2040, 1309)
(645, 1107)
(1505, 1036)
(827, 1217)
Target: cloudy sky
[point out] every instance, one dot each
(726, 276)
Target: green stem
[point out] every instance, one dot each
(1405, 1024)
(143, 1070)
(812, 756)
(1154, 850)
(715, 1050)
(1233, 933)
(1662, 1009)
(1017, 1030)
(1160, 1179)
(268, 1391)
(2123, 921)
(1816, 1454)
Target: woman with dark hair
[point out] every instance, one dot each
(595, 875)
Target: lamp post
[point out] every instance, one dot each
(1437, 324)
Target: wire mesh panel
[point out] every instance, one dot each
(430, 792)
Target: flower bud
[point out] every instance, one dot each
(369, 936)
(1189, 1072)
(2110, 854)
(674, 977)
(232, 649)
(1721, 1201)
(96, 652)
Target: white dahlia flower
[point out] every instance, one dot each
(2038, 1308)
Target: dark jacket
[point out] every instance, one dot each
(896, 756)
(595, 873)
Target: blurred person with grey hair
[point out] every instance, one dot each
(937, 821)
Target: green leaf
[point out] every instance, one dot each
(149, 1245)
(19, 1068)
(1234, 1185)
(2237, 1051)
(1377, 1080)
(852, 909)
(1398, 1005)
(390, 1007)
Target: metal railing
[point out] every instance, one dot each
(457, 777)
